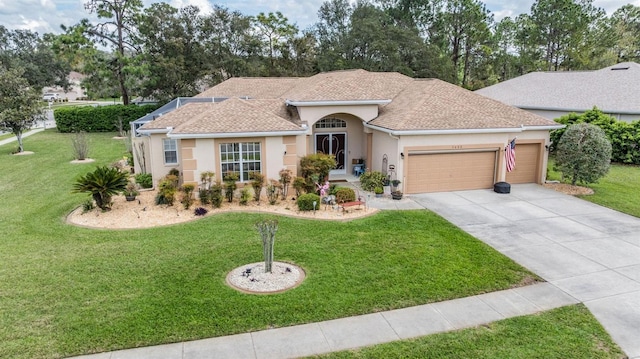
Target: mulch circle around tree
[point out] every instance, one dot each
(251, 278)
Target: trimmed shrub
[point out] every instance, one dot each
(245, 195)
(167, 189)
(144, 180)
(623, 136)
(98, 119)
(584, 153)
(216, 195)
(299, 184)
(315, 169)
(230, 185)
(372, 179)
(273, 189)
(187, 195)
(257, 182)
(345, 194)
(285, 179)
(305, 202)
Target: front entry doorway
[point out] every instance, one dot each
(335, 144)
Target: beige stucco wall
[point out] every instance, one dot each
(273, 162)
(205, 153)
(141, 153)
(155, 163)
(455, 142)
(310, 115)
(383, 144)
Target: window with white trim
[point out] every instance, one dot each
(331, 122)
(170, 147)
(241, 158)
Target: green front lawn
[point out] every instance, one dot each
(568, 332)
(66, 290)
(4, 136)
(619, 189)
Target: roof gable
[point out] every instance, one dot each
(349, 85)
(230, 116)
(431, 104)
(252, 87)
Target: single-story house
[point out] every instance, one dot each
(429, 134)
(615, 90)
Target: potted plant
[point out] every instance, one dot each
(378, 191)
(131, 191)
(396, 195)
(394, 185)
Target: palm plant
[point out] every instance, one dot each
(102, 183)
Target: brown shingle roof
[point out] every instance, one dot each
(253, 87)
(430, 104)
(232, 116)
(349, 85)
(176, 117)
(417, 104)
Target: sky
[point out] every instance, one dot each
(45, 16)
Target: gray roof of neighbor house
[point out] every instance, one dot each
(613, 89)
(405, 104)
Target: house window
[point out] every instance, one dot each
(331, 122)
(241, 158)
(170, 148)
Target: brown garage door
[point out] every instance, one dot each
(527, 164)
(452, 171)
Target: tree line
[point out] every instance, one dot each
(164, 52)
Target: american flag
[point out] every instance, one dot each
(510, 155)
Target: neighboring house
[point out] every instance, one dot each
(615, 90)
(75, 91)
(431, 135)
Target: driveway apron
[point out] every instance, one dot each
(590, 252)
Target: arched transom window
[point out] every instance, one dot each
(331, 122)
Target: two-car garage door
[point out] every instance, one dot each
(463, 170)
(437, 172)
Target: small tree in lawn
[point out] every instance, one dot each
(19, 104)
(584, 153)
(267, 229)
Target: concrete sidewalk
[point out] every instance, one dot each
(359, 331)
(25, 134)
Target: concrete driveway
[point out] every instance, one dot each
(590, 252)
